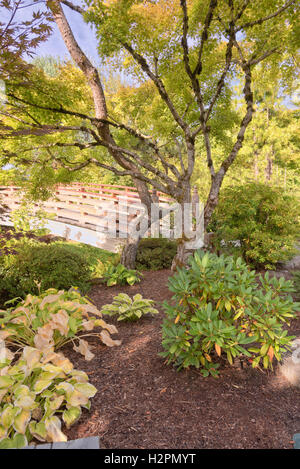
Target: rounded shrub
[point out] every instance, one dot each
(155, 254)
(219, 310)
(34, 267)
(263, 220)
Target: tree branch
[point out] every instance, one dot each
(212, 6)
(266, 18)
(73, 7)
(158, 83)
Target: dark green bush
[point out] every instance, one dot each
(296, 279)
(155, 254)
(262, 218)
(220, 310)
(35, 266)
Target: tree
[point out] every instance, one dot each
(20, 38)
(184, 55)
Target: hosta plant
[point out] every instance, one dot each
(220, 310)
(127, 309)
(54, 318)
(120, 275)
(38, 393)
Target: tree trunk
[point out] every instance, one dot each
(187, 244)
(213, 198)
(129, 252)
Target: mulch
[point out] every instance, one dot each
(142, 403)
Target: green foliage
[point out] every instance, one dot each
(120, 275)
(128, 309)
(155, 254)
(296, 279)
(221, 310)
(35, 266)
(9, 177)
(52, 319)
(37, 393)
(262, 218)
(27, 220)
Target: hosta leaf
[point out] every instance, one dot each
(6, 381)
(32, 356)
(66, 388)
(26, 402)
(53, 427)
(6, 443)
(107, 340)
(43, 340)
(88, 325)
(2, 393)
(41, 384)
(51, 299)
(60, 321)
(80, 376)
(21, 390)
(51, 405)
(21, 421)
(71, 415)
(62, 362)
(7, 416)
(83, 348)
(38, 430)
(77, 398)
(87, 405)
(86, 389)
(73, 324)
(3, 432)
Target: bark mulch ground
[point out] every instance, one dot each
(143, 403)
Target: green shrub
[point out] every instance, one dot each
(27, 219)
(35, 392)
(54, 318)
(221, 310)
(262, 218)
(119, 275)
(128, 309)
(36, 266)
(155, 254)
(296, 279)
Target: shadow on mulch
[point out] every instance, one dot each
(143, 403)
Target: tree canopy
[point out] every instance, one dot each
(192, 69)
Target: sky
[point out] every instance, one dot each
(82, 32)
(54, 45)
